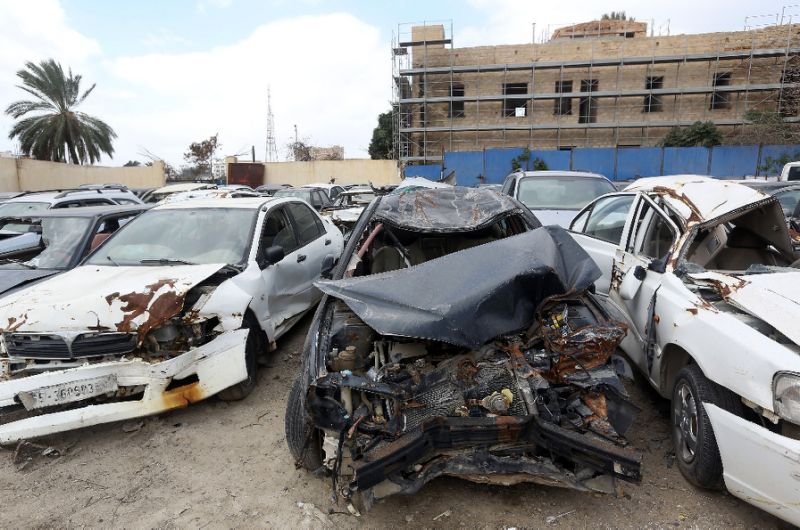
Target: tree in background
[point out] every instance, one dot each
(615, 15)
(704, 134)
(200, 155)
(382, 144)
(132, 163)
(53, 129)
(300, 151)
(764, 127)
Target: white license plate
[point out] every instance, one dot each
(68, 392)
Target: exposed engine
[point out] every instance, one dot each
(381, 390)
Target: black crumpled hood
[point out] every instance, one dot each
(454, 209)
(470, 297)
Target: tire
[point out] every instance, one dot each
(241, 390)
(696, 450)
(304, 441)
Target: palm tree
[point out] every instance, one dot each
(56, 131)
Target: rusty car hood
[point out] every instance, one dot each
(773, 297)
(103, 298)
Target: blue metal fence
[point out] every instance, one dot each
(492, 165)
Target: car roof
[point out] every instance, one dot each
(252, 203)
(450, 209)
(87, 211)
(698, 198)
(182, 186)
(320, 185)
(52, 196)
(558, 173)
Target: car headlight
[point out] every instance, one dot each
(786, 396)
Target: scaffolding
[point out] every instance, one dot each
(596, 89)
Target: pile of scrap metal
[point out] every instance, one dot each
(491, 363)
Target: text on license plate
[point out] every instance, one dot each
(68, 392)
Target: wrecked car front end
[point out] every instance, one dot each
(493, 370)
(73, 356)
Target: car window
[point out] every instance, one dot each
(278, 231)
(62, 238)
(607, 218)
(655, 235)
(794, 173)
(68, 204)
(22, 209)
(126, 201)
(561, 192)
(788, 200)
(306, 222)
(97, 202)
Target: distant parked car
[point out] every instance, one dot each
(176, 307)
(169, 189)
(31, 203)
(221, 193)
(556, 196)
(235, 187)
(348, 206)
(55, 240)
(331, 190)
(6, 195)
(313, 196)
(270, 189)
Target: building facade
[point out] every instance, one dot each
(597, 84)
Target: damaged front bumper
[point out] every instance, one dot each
(759, 466)
(92, 394)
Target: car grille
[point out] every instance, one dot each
(36, 346)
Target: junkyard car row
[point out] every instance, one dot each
(453, 334)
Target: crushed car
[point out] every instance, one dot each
(347, 207)
(176, 307)
(703, 273)
(457, 337)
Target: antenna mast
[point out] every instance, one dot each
(272, 149)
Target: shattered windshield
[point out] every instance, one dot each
(181, 236)
(20, 209)
(61, 237)
(561, 193)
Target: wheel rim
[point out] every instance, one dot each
(684, 422)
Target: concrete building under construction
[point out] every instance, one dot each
(597, 84)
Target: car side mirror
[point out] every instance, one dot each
(658, 265)
(632, 282)
(270, 256)
(326, 269)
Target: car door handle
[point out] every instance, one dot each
(301, 258)
(327, 241)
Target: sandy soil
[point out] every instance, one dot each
(219, 465)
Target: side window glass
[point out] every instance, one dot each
(654, 236)
(607, 218)
(306, 222)
(278, 232)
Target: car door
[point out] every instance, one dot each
(314, 246)
(284, 282)
(641, 265)
(599, 229)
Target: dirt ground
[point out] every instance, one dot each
(219, 465)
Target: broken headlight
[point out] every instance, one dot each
(786, 396)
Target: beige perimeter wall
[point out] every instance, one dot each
(19, 174)
(379, 172)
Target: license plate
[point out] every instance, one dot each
(68, 392)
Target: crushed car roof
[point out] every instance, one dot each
(697, 198)
(450, 209)
(470, 297)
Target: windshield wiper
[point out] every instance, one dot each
(112, 261)
(166, 261)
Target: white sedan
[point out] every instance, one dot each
(704, 274)
(173, 308)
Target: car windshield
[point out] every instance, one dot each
(788, 200)
(561, 193)
(180, 236)
(352, 199)
(22, 209)
(300, 194)
(62, 237)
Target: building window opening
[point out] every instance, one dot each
(721, 100)
(652, 102)
(587, 113)
(457, 107)
(515, 107)
(563, 106)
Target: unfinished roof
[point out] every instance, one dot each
(698, 199)
(451, 209)
(602, 28)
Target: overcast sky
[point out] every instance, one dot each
(170, 72)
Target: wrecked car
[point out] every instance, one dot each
(347, 207)
(174, 308)
(703, 273)
(34, 248)
(457, 337)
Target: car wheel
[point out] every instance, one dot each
(305, 441)
(242, 389)
(696, 450)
